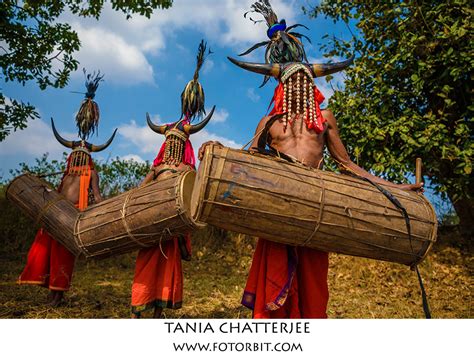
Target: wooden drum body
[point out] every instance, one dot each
(296, 205)
(141, 217)
(47, 207)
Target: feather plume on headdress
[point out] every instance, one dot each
(192, 97)
(87, 119)
(283, 45)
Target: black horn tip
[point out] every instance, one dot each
(233, 60)
(99, 148)
(155, 128)
(199, 126)
(64, 142)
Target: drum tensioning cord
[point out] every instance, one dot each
(261, 148)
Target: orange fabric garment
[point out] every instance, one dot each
(84, 189)
(49, 263)
(158, 280)
(287, 282)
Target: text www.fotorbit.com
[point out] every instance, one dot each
(226, 346)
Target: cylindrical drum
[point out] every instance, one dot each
(48, 208)
(297, 205)
(141, 217)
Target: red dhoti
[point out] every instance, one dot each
(287, 282)
(158, 280)
(49, 264)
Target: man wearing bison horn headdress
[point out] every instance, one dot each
(50, 264)
(158, 281)
(286, 281)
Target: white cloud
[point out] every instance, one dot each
(34, 140)
(220, 115)
(121, 46)
(102, 49)
(203, 136)
(208, 65)
(142, 137)
(148, 141)
(252, 95)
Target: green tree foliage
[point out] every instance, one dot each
(34, 46)
(409, 93)
(116, 175)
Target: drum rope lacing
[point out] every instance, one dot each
(123, 218)
(123, 214)
(77, 235)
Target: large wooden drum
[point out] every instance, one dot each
(46, 207)
(139, 218)
(296, 205)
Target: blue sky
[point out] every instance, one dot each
(147, 64)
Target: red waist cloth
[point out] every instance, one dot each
(49, 263)
(158, 280)
(287, 282)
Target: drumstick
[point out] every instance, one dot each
(418, 170)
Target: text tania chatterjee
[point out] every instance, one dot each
(239, 327)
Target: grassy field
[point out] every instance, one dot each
(214, 280)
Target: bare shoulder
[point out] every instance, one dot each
(264, 120)
(94, 174)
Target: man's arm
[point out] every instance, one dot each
(258, 132)
(339, 153)
(95, 186)
(149, 177)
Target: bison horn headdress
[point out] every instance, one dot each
(177, 147)
(87, 121)
(284, 57)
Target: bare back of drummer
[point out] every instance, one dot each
(70, 187)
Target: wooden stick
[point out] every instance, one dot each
(419, 165)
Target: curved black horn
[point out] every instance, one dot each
(64, 142)
(191, 129)
(155, 128)
(98, 148)
(326, 69)
(265, 69)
